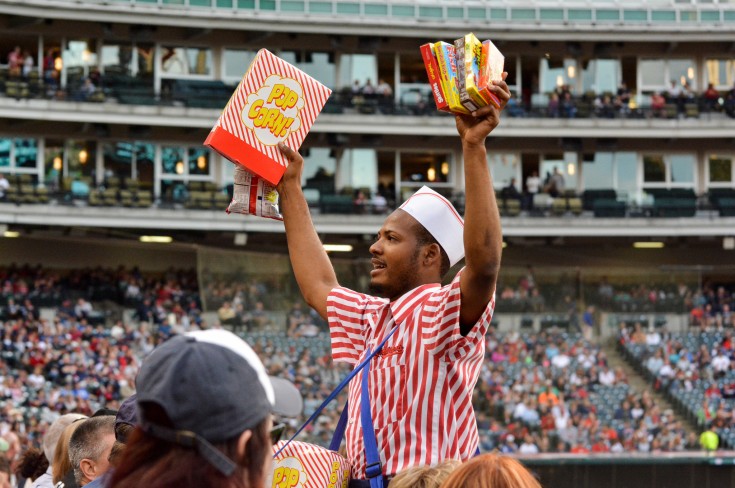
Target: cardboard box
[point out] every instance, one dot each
(461, 58)
(445, 58)
(432, 71)
(491, 69)
(275, 102)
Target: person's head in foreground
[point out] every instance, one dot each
(89, 447)
(491, 471)
(416, 245)
(424, 476)
(204, 415)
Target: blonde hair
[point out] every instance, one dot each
(62, 464)
(491, 471)
(424, 476)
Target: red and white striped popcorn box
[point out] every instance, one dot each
(303, 465)
(275, 102)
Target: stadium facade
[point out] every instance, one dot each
(129, 155)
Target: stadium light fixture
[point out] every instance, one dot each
(157, 239)
(648, 245)
(11, 234)
(505, 244)
(337, 247)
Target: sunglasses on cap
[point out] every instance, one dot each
(277, 432)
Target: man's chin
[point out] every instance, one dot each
(377, 289)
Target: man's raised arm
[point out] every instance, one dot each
(483, 239)
(311, 265)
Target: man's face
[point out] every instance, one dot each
(102, 464)
(395, 260)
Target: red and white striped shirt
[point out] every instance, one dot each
(422, 380)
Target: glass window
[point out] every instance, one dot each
(236, 63)
(557, 73)
(626, 171)
(358, 68)
(144, 156)
(358, 168)
(682, 168)
(118, 159)
(601, 75)
(172, 160)
(597, 171)
(720, 72)
(654, 168)
(720, 169)
(565, 163)
(80, 158)
(320, 163)
(320, 65)
(683, 72)
(54, 164)
(424, 168)
(652, 72)
(186, 61)
(26, 151)
(5, 152)
(503, 168)
(117, 59)
(658, 74)
(199, 161)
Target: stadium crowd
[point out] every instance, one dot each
(548, 392)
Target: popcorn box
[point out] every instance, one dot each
(302, 465)
(275, 102)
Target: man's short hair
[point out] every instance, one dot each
(424, 237)
(87, 442)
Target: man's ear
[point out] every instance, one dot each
(242, 443)
(432, 253)
(88, 468)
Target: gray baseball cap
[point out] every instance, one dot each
(213, 387)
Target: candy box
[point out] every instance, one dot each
(275, 102)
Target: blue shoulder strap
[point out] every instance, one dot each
(336, 392)
(373, 470)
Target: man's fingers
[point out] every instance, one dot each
(286, 151)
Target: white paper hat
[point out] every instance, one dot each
(440, 218)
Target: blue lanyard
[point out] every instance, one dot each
(339, 431)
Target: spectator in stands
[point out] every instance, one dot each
(126, 419)
(89, 448)
(567, 107)
(226, 314)
(221, 442)
(410, 256)
(533, 183)
(4, 186)
(384, 89)
(424, 476)
(28, 63)
(86, 90)
(15, 62)
(32, 465)
(511, 191)
(553, 110)
(82, 309)
(50, 439)
(658, 104)
(711, 98)
(555, 186)
(491, 470)
(729, 105)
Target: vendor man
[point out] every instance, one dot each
(421, 383)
